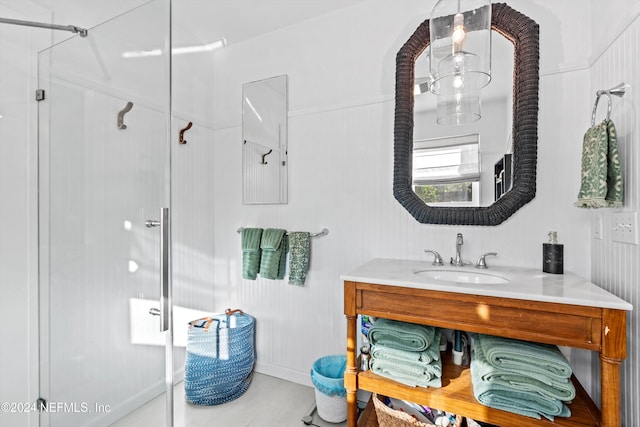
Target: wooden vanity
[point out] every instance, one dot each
(556, 309)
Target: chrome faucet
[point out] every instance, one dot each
(482, 263)
(459, 242)
(437, 259)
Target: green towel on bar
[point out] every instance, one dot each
(401, 335)
(540, 361)
(601, 184)
(251, 252)
(274, 254)
(523, 402)
(299, 251)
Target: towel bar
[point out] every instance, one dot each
(324, 232)
(617, 91)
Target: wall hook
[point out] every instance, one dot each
(121, 114)
(265, 155)
(181, 139)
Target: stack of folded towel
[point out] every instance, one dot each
(525, 378)
(265, 252)
(406, 352)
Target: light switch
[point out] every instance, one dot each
(624, 227)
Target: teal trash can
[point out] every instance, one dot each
(327, 375)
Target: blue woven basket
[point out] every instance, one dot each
(220, 358)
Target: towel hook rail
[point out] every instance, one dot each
(618, 91)
(324, 232)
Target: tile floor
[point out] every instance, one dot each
(269, 402)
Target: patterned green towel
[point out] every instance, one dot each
(251, 252)
(299, 247)
(601, 185)
(274, 247)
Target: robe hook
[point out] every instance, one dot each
(181, 139)
(265, 155)
(121, 114)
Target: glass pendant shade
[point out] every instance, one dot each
(458, 109)
(460, 48)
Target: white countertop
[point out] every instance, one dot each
(524, 284)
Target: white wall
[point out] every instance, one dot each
(341, 74)
(614, 266)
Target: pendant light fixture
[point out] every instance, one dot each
(460, 57)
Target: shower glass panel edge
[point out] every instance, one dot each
(102, 354)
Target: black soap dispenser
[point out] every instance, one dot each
(552, 255)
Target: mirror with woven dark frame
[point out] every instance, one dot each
(523, 32)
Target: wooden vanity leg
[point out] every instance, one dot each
(614, 351)
(351, 371)
(610, 389)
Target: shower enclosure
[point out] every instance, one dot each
(104, 175)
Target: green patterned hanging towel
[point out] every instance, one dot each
(274, 248)
(251, 252)
(299, 244)
(601, 185)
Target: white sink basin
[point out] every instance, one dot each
(462, 276)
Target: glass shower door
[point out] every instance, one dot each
(104, 172)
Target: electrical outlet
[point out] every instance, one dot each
(625, 227)
(596, 224)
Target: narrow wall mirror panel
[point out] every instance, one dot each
(264, 141)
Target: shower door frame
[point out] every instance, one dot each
(44, 292)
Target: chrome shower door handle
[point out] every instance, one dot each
(164, 266)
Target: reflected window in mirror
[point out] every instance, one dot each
(446, 171)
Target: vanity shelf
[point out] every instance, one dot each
(601, 329)
(457, 395)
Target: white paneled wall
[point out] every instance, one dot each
(192, 231)
(614, 266)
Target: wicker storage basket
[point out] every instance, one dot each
(220, 358)
(388, 417)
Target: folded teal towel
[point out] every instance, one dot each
(601, 184)
(419, 357)
(540, 361)
(251, 252)
(413, 375)
(553, 388)
(401, 335)
(274, 254)
(431, 354)
(299, 251)
(413, 368)
(529, 403)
